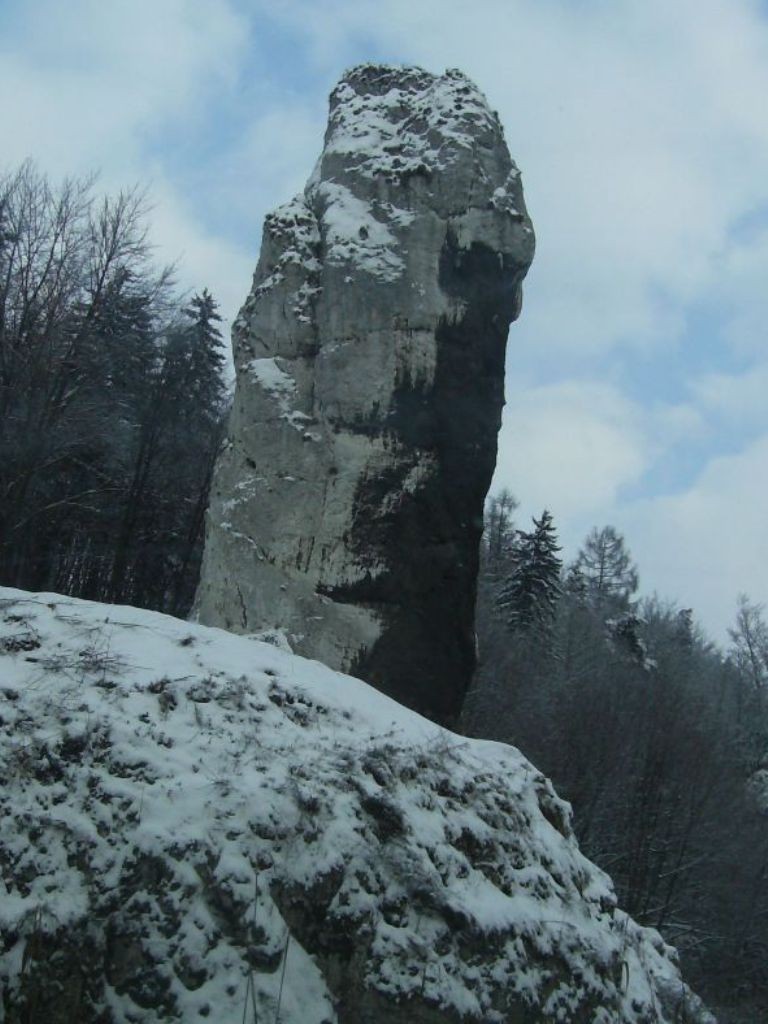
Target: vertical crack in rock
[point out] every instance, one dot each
(347, 503)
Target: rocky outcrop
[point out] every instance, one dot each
(198, 826)
(347, 504)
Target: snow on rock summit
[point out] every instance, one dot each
(347, 504)
(200, 826)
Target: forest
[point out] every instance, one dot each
(113, 400)
(656, 737)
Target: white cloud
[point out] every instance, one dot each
(704, 546)
(578, 447)
(91, 81)
(203, 260)
(570, 447)
(737, 398)
(267, 165)
(676, 424)
(742, 273)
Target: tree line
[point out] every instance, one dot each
(658, 739)
(112, 399)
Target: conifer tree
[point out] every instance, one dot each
(607, 568)
(205, 353)
(499, 535)
(575, 585)
(528, 596)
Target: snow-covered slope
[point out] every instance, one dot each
(200, 826)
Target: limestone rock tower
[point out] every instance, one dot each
(347, 503)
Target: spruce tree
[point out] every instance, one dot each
(205, 354)
(529, 594)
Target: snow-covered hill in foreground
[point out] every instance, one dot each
(200, 826)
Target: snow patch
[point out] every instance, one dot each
(409, 122)
(268, 373)
(354, 235)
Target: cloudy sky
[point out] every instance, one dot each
(638, 372)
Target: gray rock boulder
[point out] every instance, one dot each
(201, 827)
(347, 505)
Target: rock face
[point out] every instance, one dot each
(197, 826)
(347, 505)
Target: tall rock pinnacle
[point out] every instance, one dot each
(347, 503)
